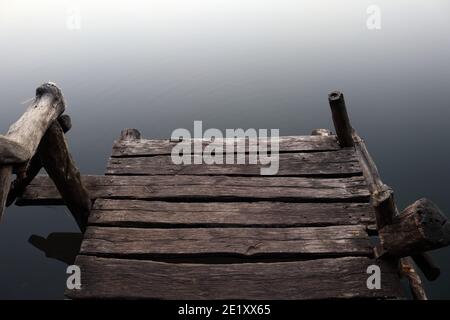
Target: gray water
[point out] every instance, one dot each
(160, 65)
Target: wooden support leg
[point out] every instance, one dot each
(58, 163)
(415, 284)
(5, 183)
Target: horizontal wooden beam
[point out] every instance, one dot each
(340, 163)
(207, 188)
(151, 147)
(141, 213)
(240, 242)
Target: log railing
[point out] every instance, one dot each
(37, 141)
(418, 228)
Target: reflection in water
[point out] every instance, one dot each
(62, 246)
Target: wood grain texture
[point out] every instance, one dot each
(312, 241)
(152, 147)
(129, 213)
(202, 188)
(23, 137)
(57, 161)
(34, 166)
(5, 183)
(334, 163)
(341, 278)
(340, 119)
(420, 227)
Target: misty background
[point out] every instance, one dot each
(160, 65)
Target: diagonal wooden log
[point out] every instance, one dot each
(57, 161)
(415, 283)
(34, 166)
(21, 141)
(23, 137)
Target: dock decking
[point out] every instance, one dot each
(164, 231)
(154, 229)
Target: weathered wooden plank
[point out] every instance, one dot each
(293, 189)
(129, 213)
(341, 278)
(334, 163)
(151, 147)
(247, 242)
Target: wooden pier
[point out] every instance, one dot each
(157, 230)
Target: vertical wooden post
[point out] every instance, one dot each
(130, 134)
(340, 119)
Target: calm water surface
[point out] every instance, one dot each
(160, 65)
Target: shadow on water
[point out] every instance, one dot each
(62, 246)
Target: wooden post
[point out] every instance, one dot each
(321, 132)
(58, 163)
(34, 166)
(420, 227)
(340, 119)
(130, 134)
(19, 144)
